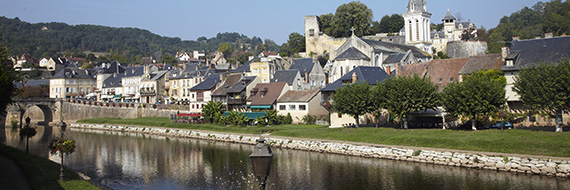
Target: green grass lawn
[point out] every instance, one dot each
(515, 141)
(43, 173)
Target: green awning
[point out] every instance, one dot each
(118, 96)
(249, 115)
(261, 107)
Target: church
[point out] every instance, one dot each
(356, 51)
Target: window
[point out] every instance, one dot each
(302, 107)
(440, 80)
(291, 107)
(264, 70)
(255, 71)
(451, 80)
(509, 63)
(322, 83)
(281, 107)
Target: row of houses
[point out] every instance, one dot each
(299, 86)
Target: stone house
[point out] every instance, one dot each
(312, 74)
(72, 83)
(221, 93)
(264, 96)
(201, 93)
(238, 94)
(526, 53)
(300, 103)
(370, 75)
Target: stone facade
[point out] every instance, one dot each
(316, 42)
(460, 49)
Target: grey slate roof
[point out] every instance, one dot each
(441, 34)
(448, 16)
(395, 57)
(304, 65)
(115, 67)
(393, 47)
(245, 67)
(526, 53)
(37, 83)
(352, 54)
(287, 76)
(74, 72)
(363, 74)
(242, 84)
(207, 84)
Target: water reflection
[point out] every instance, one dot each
(136, 161)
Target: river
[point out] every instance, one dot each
(137, 161)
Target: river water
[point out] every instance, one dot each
(136, 161)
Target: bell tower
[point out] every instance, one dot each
(417, 25)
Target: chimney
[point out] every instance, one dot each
(516, 37)
(398, 67)
(354, 77)
(388, 70)
(548, 35)
(504, 52)
(306, 77)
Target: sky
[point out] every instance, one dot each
(268, 19)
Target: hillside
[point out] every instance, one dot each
(547, 17)
(51, 39)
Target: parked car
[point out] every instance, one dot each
(505, 124)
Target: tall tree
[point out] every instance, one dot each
(354, 14)
(403, 95)
(545, 88)
(226, 49)
(294, 45)
(480, 94)
(354, 100)
(7, 78)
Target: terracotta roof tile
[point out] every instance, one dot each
(298, 95)
(271, 91)
(440, 71)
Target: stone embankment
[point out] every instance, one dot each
(523, 165)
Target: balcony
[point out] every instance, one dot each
(236, 101)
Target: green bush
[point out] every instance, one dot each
(309, 119)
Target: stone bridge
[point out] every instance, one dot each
(44, 111)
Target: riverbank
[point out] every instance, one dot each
(37, 173)
(515, 163)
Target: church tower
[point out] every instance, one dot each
(449, 26)
(417, 25)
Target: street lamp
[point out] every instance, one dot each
(261, 161)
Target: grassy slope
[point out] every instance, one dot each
(43, 173)
(514, 141)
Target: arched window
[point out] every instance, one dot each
(417, 30)
(341, 71)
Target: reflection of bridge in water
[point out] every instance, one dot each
(20, 107)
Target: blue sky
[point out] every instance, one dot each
(275, 20)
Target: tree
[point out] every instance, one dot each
(168, 59)
(325, 23)
(403, 95)
(294, 45)
(481, 94)
(545, 88)
(354, 14)
(7, 78)
(212, 111)
(226, 49)
(354, 100)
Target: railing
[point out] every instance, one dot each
(236, 101)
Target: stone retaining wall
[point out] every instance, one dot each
(523, 165)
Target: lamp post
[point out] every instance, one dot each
(63, 127)
(261, 161)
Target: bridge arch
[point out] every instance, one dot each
(36, 108)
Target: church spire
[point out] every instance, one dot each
(417, 6)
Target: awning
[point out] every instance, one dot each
(249, 115)
(105, 96)
(118, 96)
(261, 107)
(189, 114)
